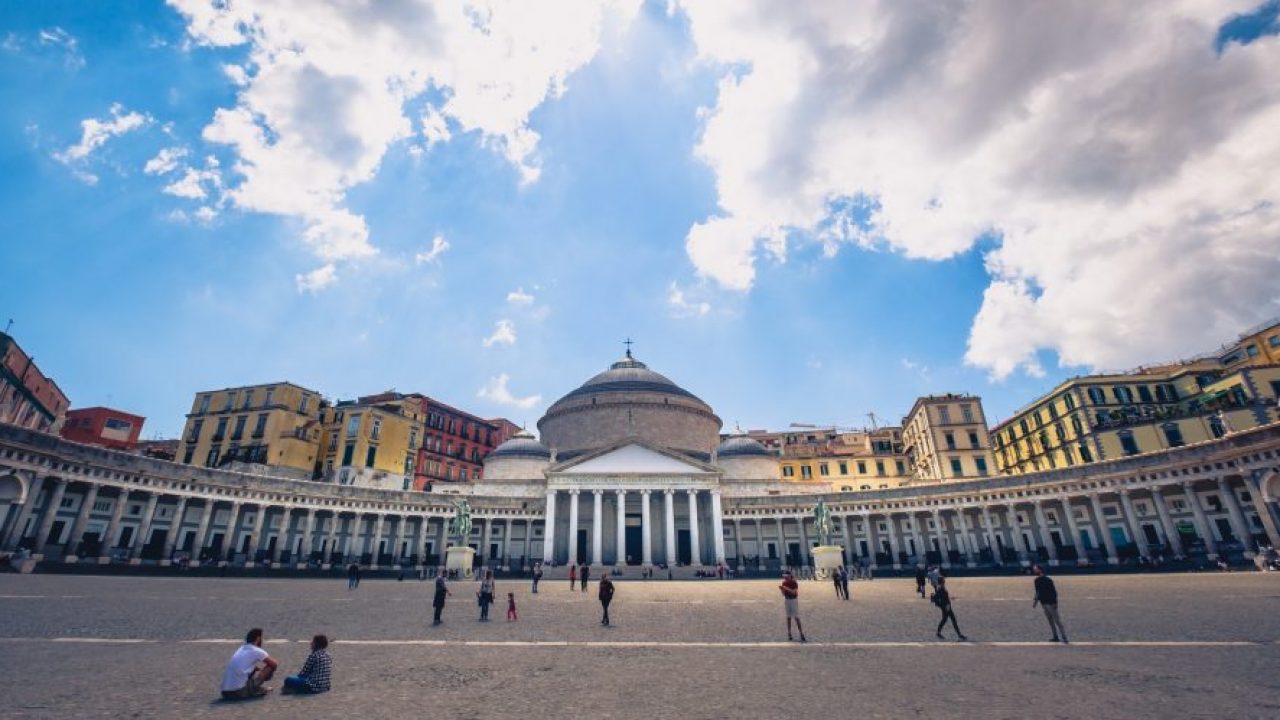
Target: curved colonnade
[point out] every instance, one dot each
(78, 503)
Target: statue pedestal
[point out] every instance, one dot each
(826, 558)
(461, 559)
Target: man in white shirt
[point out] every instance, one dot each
(249, 669)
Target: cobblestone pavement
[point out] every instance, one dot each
(1142, 646)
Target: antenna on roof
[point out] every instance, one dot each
(872, 416)
(7, 326)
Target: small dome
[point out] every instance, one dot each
(521, 445)
(742, 446)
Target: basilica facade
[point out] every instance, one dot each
(631, 470)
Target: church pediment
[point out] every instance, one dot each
(633, 458)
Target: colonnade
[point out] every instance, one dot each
(597, 552)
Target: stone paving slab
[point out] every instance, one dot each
(1147, 646)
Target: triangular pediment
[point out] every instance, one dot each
(633, 458)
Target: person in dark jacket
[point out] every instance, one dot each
(844, 582)
(942, 599)
(353, 576)
(585, 575)
(442, 591)
(606, 597)
(921, 576)
(1047, 599)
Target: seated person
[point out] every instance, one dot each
(314, 675)
(249, 669)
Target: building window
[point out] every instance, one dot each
(902, 470)
(348, 453)
(1216, 427)
(1085, 455)
(204, 404)
(376, 432)
(823, 470)
(353, 425)
(844, 468)
(237, 432)
(211, 459)
(1144, 393)
(973, 439)
(951, 441)
(956, 468)
(1173, 434)
(1096, 396)
(270, 395)
(260, 428)
(944, 414)
(1123, 394)
(413, 439)
(302, 405)
(187, 456)
(221, 431)
(788, 471)
(806, 472)
(196, 427)
(967, 412)
(1069, 401)
(981, 463)
(1128, 443)
(370, 456)
(862, 467)
(231, 400)
(248, 400)
(880, 467)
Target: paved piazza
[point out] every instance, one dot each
(1143, 646)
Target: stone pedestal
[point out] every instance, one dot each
(461, 559)
(826, 558)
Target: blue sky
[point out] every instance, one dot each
(780, 309)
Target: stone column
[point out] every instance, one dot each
(175, 530)
(806, 547)
(918, 537)
(308, 538)
(331, 538)
(1236, 514)
(1070, 513)
(620, 532)
(1101, 521)
(717, 529)
(255, 542)
(377, 538)
(695, 544)
(971, 556)
(506, 543)
(989, 529)
(1015, 529)
(549, 530)
(1264, 512)
(1135, 527)
(782, 542)
(597, 527)
(282, 540)
(50, 512)
(937, 533)
(233, 525)
(443, 554)
(528, 543)
(1202, 522)
(82, 518)
(646, 528)
(1046, 540)
(873, 543)
(210, 507)
(759, 546)
(109, 536)
(893, 542)
(1172, 537)
(144, 526)
(420, 542)
(573, 527)
(671, 526)
(13, 535)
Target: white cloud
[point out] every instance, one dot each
(95, 133)
(438, 246)
(58, 37)
(317, 279)
(919, 369)
(165, 161)
(496, 391)
(681, 306)
(520, 297)
(504, 333)
(1126, 170)
(194, 183)
(330, 82)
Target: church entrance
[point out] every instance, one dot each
(634, 551)
(683, 554)
(582, 545)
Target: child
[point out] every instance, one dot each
(511, 607)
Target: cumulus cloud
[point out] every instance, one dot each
(94, 133)
(438, 246)
(681, 306)
(520, 297)
(1122, 167)
(504, 333)
(165, 161)
(317, 279)
(496, 391)
(330, 82)
(195, 184)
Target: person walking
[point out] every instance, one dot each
(511, 608)
(791, 603)
(485, 594)
(935, 577)
(585, 575)
(537, 577)
(314, 677)
(844, 582)
(442, 591)
(353, 576)
(606, 597)
(835, 579)
(921, 577)
(1047, 599)
(942, 599)
(573, 576)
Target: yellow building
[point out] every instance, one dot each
(847, 460)
(373, 441)
(1106, 416)
(275, 426)
(945, 438)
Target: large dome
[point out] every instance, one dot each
(630, 401)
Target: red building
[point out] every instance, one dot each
(455, 443)
(28, 397)
(103, 426)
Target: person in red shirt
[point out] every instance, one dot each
(791, 601)
(573, 576)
